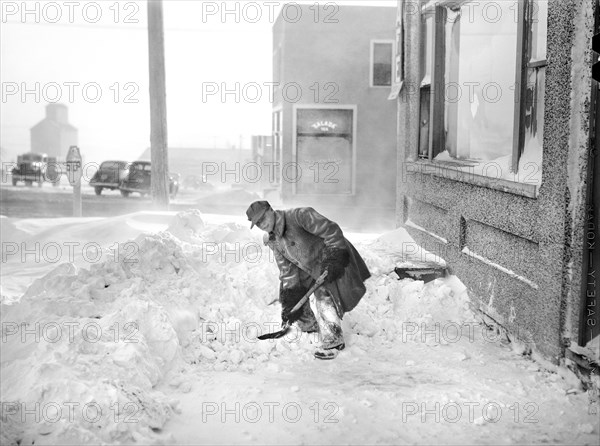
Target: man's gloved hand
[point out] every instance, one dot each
(289, 297)
(335, 261)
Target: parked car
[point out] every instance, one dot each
(139, 180)
(109, 175)
(174, 179)
(31, 168)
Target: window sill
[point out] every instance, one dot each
(450, 172)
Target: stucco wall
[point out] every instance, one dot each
(339, 53)
(532, 246)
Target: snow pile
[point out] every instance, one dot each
(410, 311)
(226, 339)
(593, 348)
(396, 249)
(127, 350)
(84, 348)
(133, 348)
(97, 342)
(33, 247)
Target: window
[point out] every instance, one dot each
(381, 63)
(482, 86)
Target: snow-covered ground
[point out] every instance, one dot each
(142, 329)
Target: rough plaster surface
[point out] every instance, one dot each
(537, 238)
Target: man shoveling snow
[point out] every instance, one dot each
(308, 249)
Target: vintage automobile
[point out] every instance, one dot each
(110, 174)
(31, 168)
(174, 179)
(139, 180)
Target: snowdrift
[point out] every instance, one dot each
(94, 355)
(85, 348)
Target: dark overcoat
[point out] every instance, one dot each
(298, 240)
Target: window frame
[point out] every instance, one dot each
(524, 63)
(436, 137)
(374, 42)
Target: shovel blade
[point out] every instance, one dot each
(276, 334)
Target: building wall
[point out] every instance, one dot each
(337, 57)
(68, 137)
(45, 138)
(53, 139)
(262, 155)
(57, 113)
(527, 276)
(54, 135)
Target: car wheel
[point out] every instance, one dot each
(14, 181)
(125, 193)
(98, 190)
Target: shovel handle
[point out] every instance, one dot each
(312, 289)
(286, 326)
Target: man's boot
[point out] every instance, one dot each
(330, 326)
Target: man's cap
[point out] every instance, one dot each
(256, 210)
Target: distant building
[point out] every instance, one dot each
(334, 131)
(54, 135)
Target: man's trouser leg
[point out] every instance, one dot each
(329, 320)
(307, 321)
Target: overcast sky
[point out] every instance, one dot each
(94, 56)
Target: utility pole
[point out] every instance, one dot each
(158, 106)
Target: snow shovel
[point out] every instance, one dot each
(286, 326)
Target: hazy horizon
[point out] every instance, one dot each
(78, 60)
